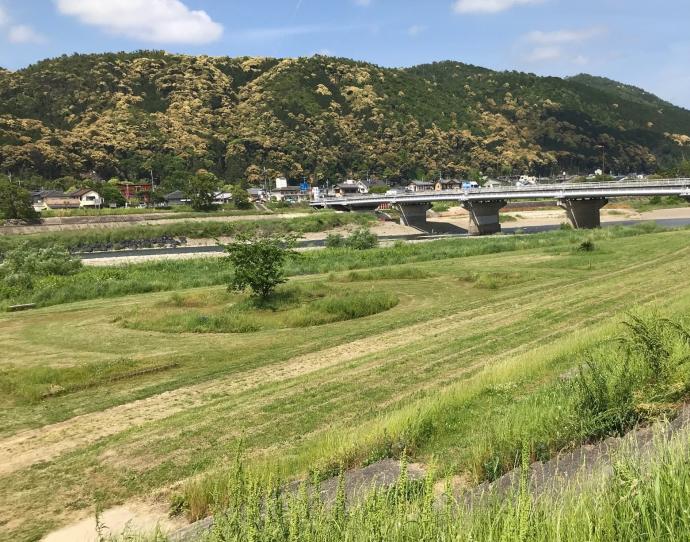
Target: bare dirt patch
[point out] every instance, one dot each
(139, 517)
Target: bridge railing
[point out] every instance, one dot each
(684, 182)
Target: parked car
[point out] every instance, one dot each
(396, 191)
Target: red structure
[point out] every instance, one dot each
(140, 191)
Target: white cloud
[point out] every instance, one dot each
(22, 33)
(277, 33)
(489, 6)
(558, 45)
(563, 36)
(544, 54)
(282, 32)
(17, 33)
(160, 21)
(416, 30)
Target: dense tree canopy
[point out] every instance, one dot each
(247, 120)
(15, 202)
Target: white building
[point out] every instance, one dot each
(88, 198)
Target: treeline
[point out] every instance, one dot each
(248, 120)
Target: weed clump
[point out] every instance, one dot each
(360, 239)
(639, 378)
(587, 246)
(385, 273)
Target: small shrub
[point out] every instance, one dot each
(587, 246)
(362, 239)
(440, 206)
(335, 240)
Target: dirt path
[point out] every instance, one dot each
(135, 517)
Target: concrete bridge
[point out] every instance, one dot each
(582, 202)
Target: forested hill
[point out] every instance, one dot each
(126, 114)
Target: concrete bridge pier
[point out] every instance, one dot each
(484, 216)
(583, 213)
(414, 215)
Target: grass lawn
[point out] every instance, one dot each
(92, 404)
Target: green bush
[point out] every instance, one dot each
(441, 206)
(258, 263)
(362, 239)
(335, 240)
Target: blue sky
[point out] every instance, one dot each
(635, 41)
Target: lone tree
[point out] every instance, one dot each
(201, 189)
(258, 262)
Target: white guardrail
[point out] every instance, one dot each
(680, 186)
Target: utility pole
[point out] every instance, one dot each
(603, 158)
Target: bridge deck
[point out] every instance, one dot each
(664, 187)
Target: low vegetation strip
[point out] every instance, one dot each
(109, 282)
(292, 306)
(35, 384)
(443, 374)
(119, 238)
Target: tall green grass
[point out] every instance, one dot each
(384, 273)
(546, 417)
(640, 501)
(31, 384)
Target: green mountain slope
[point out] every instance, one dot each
(126, 114)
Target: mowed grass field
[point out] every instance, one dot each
(94, 407)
